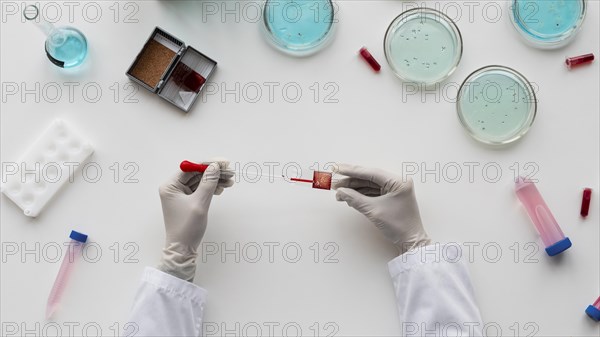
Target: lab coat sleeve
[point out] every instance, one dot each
(434, 293)
(166, 306)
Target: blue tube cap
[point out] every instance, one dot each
(78, 236)
(593, 312)
(558, 247)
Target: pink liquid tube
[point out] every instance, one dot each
(73, 252)
(545, 224)
(594, 310)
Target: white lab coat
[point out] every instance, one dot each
(433, 292)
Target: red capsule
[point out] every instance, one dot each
(369, 58)
(585, 202)
(576, 61)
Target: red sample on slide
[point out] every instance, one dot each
(322, 180)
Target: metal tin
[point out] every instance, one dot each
(184, 56)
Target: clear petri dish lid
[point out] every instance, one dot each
(496, 105)
(423, 45)
(547, 24)
(299, 27)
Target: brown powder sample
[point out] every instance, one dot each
(152, 63)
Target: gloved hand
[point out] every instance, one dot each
(185, 201)
(386, 200)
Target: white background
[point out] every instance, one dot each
(371, 124)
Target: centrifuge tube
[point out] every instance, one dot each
(585, 202)
(73, 251)
(594, 310)
(366, 55)
(545, 224)
(579, 60)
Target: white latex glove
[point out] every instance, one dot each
(386, 200)
(185, 201)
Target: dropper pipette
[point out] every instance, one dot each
(321, 180)
(187, 166)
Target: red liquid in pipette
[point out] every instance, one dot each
(320, 180)
(300, 180)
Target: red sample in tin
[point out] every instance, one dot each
(187, 78)
(369, 58)
(585, 202)
(576, 61)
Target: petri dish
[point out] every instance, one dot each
(496, 105)
(423, 45)
(298, 27)
(547, 24)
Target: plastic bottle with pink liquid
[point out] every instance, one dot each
(545, 224)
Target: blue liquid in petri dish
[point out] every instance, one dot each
(496, 105)
(67, 45)
(548, 21)
(298, 26)
(423, 46)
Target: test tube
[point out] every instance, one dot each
(594, 310)
(73, 251)
(366, 55)
(576, 61)
(585, 202)
(545, 224)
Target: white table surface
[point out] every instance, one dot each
(521, 291)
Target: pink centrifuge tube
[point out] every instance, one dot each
(549, 230)
(73, 252)
(594, 310)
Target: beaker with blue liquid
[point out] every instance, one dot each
(66, 47)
